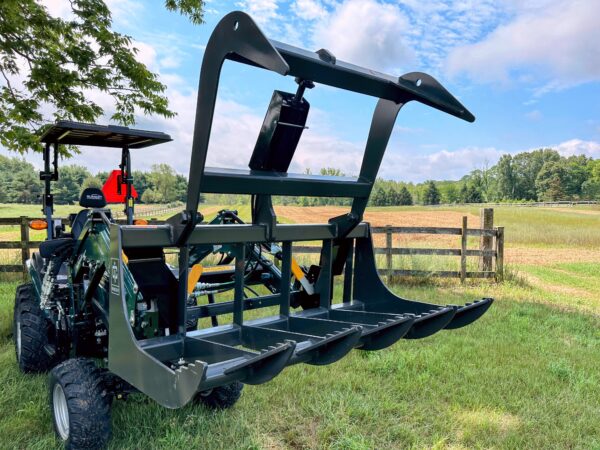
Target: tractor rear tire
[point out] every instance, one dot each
(80, 404)
(222, 397)
(30, 333)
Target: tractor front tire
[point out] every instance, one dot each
(222, 397)
(80, 404)
(30, 332)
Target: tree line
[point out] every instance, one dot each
(20, 183)
(540, 175)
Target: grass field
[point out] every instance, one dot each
(526, 376)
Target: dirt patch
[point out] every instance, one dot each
(548, 256)
(559, 288)
(321, 214)
(434, 218)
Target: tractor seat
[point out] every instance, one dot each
(90, 198)
(55, 247)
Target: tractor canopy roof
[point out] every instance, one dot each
(76, 133)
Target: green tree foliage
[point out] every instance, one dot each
(451, 194)
(68, 187)
(141, 182)
(558, 178)
(473, 195)
(332, 172)
(91, 182)
(527, 166)
(505, 178)
(432, 194)
(62, 60)
(392, 197)
(19, 181)
(378, 197)
(164, 182)
(577, 173)
(463, 195)
(550, 182)
(591, 187)
(404, 197)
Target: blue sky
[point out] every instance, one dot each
(528, 71)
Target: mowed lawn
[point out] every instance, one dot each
(527, 375)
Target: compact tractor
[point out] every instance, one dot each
(114, 308)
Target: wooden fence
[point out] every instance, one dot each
(490, 251)
(26, 245)
(557, 204)
(151, 212)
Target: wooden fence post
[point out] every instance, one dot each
(463, 250)
(500, 254)
(388, 251)
(486, 243)
(24, 244)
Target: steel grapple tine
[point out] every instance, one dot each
(430, 323)
(469, 313)
(335, 346)
(379, 330)
(387, 334)
(265, 366)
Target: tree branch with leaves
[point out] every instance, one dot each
(50, 66)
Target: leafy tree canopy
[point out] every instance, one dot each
(51, 63)
(404, 197)
(432, 194)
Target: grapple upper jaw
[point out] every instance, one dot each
(429, 91)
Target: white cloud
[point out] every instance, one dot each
(440, 165)
(121, 10)
(58, 8)
(309, 9)
(365, 32)
(125, 12)
(556, 39)
(534, 115)
(146, 54)
(264, 12)
(579, 147)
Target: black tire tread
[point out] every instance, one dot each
(34, 332)
(222, 397)
(191, 325)
(87, 400)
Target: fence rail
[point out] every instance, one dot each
(151, 212)
(490, 251)
(556, 204)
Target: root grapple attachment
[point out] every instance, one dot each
(151, 304)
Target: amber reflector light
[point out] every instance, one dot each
(38, 224)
